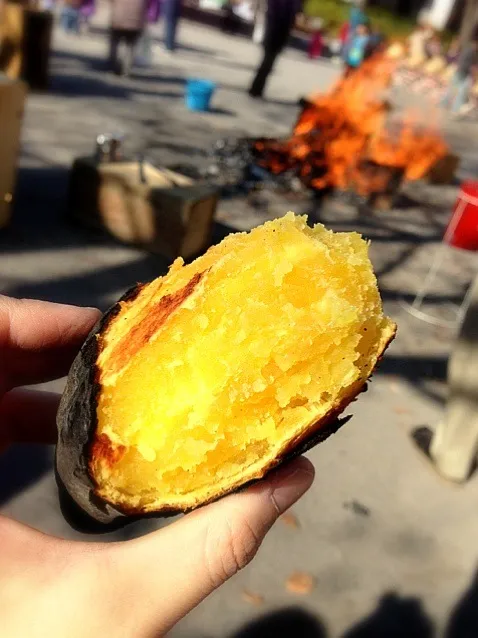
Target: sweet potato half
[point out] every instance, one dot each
(205, 379)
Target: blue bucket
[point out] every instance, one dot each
(199, 94)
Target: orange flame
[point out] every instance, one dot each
(336, 132)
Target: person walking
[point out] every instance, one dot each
(128, 19)
(70, 16)
(87, 11)
(462, 81)
(354, 35)
(357, 48)
(172, 12)
(280, 18)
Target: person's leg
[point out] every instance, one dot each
(173, 28)
(75, 20)
(172, 9)
(171, 25)
(462, 92)
(144, 49)
(455, 443)
(265, 68)
(115, 37)
(130, 40)
(66, 19)
(147, 46)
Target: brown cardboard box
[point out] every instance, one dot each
(168, 214)
(12, 100)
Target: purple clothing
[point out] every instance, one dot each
(154, 11)
(88, 8)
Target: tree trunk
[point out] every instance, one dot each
(469, 22)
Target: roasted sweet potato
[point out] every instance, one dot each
(202, 381)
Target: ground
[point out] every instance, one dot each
(391, 547)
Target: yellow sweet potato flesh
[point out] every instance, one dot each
(259, 339)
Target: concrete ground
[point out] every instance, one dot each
(391, 547)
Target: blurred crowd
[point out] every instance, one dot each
(353, 41)
(130, 40)
(448, 73)
(445, 70)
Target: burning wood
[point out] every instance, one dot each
(367, 177)
(343, 139)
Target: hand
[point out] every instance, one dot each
(135, 589)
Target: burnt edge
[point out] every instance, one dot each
(151, 321)
(76, 424)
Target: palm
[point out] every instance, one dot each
(56, 588)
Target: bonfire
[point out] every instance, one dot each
(344, 140)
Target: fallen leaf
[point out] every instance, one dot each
(398, 410)
(290, 520)
(300, 583)
(252, 598)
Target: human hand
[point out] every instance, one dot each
(134, 589)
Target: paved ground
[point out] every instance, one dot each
(392, 547)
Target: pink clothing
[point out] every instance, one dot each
(316, 45)
(129, 15)
(344, 33)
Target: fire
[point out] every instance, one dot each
(342, 137)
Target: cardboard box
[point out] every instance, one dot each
(12, 102)
(167, 214)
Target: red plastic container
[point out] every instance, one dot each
(462, 230)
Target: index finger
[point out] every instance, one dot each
(39, 339)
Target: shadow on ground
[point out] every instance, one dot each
(40, 223)
(284, 623)
(22, 465)
(395, 616)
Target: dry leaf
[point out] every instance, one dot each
(300, 583)
(290, 520)
(398, 410)
(251, 598)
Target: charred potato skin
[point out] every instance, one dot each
(77, 422)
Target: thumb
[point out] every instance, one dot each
(172, 570)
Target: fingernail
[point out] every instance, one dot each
(290, 487)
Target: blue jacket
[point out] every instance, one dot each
(356, 50)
